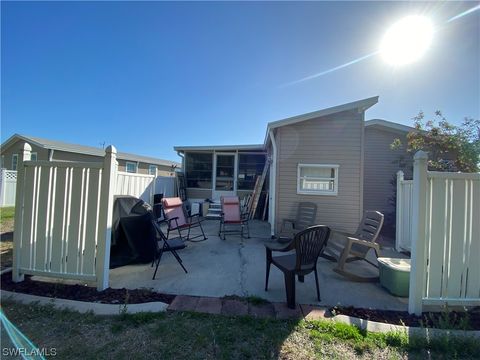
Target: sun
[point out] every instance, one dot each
(407, 40)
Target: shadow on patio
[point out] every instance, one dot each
(236, 266)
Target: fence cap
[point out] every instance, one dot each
(420, 155)
(111, 149)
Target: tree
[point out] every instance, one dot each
(450, 147)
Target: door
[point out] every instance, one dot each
(225, 178)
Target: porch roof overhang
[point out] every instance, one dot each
(254, 147)
(361, 105)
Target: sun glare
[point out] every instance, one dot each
(407, 40)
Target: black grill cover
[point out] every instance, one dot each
(133, 235)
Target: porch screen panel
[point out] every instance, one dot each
(249, 167)
(198, 169)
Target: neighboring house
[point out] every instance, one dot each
(331, 157)
(43, 149)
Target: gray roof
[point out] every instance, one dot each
(389, 125)
(255, 147)
(363, 104)
(88, 150)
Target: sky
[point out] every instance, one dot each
(147, 76)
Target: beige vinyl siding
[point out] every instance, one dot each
(381, 165)
(336, 140)
(70, 156)
(42, 154)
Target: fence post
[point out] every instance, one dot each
(109, 177)
(418, 258)
(399, 211)
(2, 186)
(25, 155)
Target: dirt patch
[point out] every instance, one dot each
(83, 293)
(453, 320)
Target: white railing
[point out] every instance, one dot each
(63, 216)
(403, 225)
(445, 238)
(8, 185)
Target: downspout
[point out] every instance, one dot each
(50, 154)
(273, 183)
(183, 170)
(183, 160)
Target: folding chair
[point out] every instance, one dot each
(177, 219)
(163, 244)
(232, 215)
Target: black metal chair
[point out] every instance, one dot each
(163, 244)
(308, 245)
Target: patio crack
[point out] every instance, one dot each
(243, 266)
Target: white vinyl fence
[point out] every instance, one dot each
(8, 185)
(63, 216)
(445, 238)
(403, 236)
(138, 185)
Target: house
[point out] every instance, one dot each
(49, 150)
(331, 157)
(382, 163)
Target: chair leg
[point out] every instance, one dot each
(301, 278)
(268, 259)
(203, 233)
(290, 288)
(174, 253)
(316, 282)
(267, 275)
(158, 263)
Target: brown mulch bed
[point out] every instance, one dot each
(83, 293)
(456, 320)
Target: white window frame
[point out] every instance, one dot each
(319, 192)
(131, 163)
(14, 162)
(154, 168)
(32, 155)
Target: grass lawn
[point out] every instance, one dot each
(199, 336)
(7, 215)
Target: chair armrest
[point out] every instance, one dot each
(370, 244)
(344, 233)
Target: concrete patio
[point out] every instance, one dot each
(236, 266)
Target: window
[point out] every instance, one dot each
(131, 167)
(198, 170)
(317, 179)
(14, 161)
(33, 156)
(152, 169)
(249, 167)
